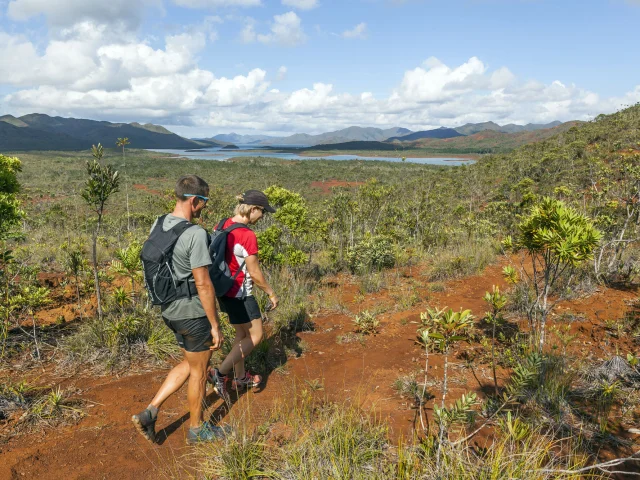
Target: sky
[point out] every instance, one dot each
(204, 67)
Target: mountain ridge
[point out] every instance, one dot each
(37, 131)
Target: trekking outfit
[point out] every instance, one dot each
(174, 248)
(234, 288)
(184, 315)
(238, 302)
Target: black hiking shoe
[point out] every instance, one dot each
(145, 424)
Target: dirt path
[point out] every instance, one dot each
(104, 444)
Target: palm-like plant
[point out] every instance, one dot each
(497, 301)
(74, 264)
(444, 329)
(128, 263)
(557, 238)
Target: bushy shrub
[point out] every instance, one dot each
(371, 253)
(118, 340)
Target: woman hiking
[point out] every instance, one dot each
(241, 256)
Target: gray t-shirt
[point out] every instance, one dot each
(191, 251)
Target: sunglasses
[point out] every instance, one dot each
(206, 199)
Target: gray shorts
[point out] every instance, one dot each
(194, 335)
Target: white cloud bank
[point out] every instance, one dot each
(286, 30)
(86, 72)
(217, 3)
(62, 13)
(359, 31)
(301, 4)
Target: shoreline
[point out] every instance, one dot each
(453, 156)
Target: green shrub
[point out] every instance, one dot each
(119, 340)
(366, 323)
(371, 253)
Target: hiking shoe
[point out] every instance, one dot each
(145, 424)
(219, 384)
(207, 432)
(248, 381)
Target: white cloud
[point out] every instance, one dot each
(359, 31)
(286, 30)
(248, 33)
(217, 3)
(69, 12)
(301, 4)
(282, 73)
(85, 73)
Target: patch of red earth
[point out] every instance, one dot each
(104, 444)
(630, 152)
(327, 185)
(139, 186)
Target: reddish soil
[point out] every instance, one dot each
(105, 445)
(327, 185)
(139, 186)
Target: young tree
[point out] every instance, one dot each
(557, 239)
(103, 182)
(123, 142)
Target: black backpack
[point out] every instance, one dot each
(157, 265)
(219, 270)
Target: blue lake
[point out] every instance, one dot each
(252, 151)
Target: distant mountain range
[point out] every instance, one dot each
(349, 134)
(42, 132)
(471, 128)
(442, 132)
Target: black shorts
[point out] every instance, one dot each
(240, 310)
(194, 335)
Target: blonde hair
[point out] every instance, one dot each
(243, 209)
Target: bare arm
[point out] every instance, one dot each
(253, 267)
(207, 296)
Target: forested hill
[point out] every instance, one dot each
(587, 161)
(42, 132)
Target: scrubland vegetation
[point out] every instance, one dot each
(562, 216)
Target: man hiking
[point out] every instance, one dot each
(241, 255)
(192, 314)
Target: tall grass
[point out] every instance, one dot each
(120, 340)
(461, 260)
(308, 438)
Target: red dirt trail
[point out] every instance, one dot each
(104, 444)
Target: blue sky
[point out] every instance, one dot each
(204, 67)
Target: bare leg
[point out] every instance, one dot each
(238, 368)
(175, 379)
(240, 351)
(196, 391)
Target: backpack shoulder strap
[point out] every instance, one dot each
(160, 221)
(180, 228)
(235, 226)
(221, 224)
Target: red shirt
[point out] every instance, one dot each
(241, 243)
